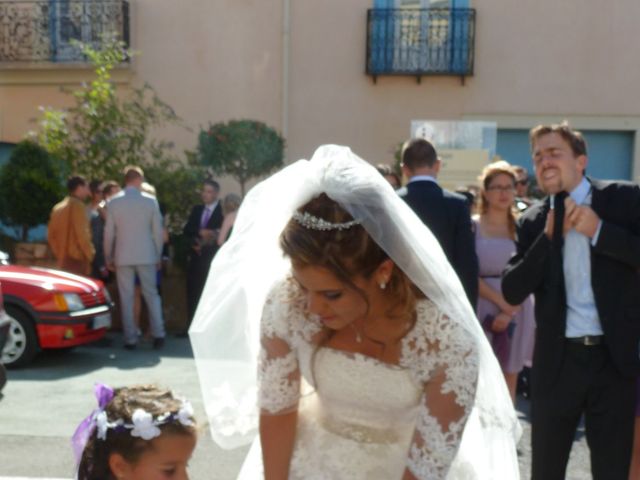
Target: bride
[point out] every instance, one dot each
(370, 362)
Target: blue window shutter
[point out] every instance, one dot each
(459, 37)
(382, 36)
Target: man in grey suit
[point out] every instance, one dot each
(133, 245)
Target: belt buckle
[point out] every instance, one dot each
(590, 340)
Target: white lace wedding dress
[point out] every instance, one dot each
(366, 419)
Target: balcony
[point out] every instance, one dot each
(42, 31)
(419, 42)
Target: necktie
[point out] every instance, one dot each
(556, 277)
(205, 218)
(558, 221)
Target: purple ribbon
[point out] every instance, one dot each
(104, 394)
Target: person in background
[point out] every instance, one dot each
(137, 297)
(201, 231)
(133, 246)
(151, 190)
(109, 190)
(469, 195)
(445, 213)
(230, 207)
(522, 200)
(96, 199)
(68, 230)
(510, 329)
(390, 176)
(96, 220)
(578, 252)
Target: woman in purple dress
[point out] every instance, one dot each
(510, 329)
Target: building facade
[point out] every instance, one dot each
(319, 72)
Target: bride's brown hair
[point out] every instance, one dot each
(346, 253)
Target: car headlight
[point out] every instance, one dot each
(68, 301)
(73, 301)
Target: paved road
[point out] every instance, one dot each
(43, 404)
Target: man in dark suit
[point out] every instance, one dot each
(201, 230)
(579, 254)
(445, 213)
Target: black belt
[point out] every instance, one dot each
(587, 340)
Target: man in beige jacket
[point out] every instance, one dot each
(68, 233)
(133, 246)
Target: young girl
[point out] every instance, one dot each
(137, 433)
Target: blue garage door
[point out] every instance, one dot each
(5, 152)
(610, 152)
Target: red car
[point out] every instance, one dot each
(50, 309)
(4, 330)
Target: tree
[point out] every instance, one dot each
(178, 186)
(105, 131)
(243, 149)
(31, 183)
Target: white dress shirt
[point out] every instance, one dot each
(582, 314)
(418, 178)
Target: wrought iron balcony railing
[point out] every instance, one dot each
(420, 41)
(44, 30)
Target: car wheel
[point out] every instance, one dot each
(22, 343)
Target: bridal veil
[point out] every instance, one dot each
(226, 330)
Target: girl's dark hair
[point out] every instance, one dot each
(346, 253)
(94, 464)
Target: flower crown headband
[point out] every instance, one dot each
(316, 223)
(142, 424)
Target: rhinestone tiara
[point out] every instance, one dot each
(314, 223)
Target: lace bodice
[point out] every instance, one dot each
(420, 405)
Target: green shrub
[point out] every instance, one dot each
(31, 183)
(177, 187)
(242, 149)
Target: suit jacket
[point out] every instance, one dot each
(68, 231)
(133, 231)
(97, 236)
(447, 216)
(615, 280)
(192, 227)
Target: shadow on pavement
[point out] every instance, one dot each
(108, 352)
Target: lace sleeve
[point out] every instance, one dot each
(444, 359)
(278, 371)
